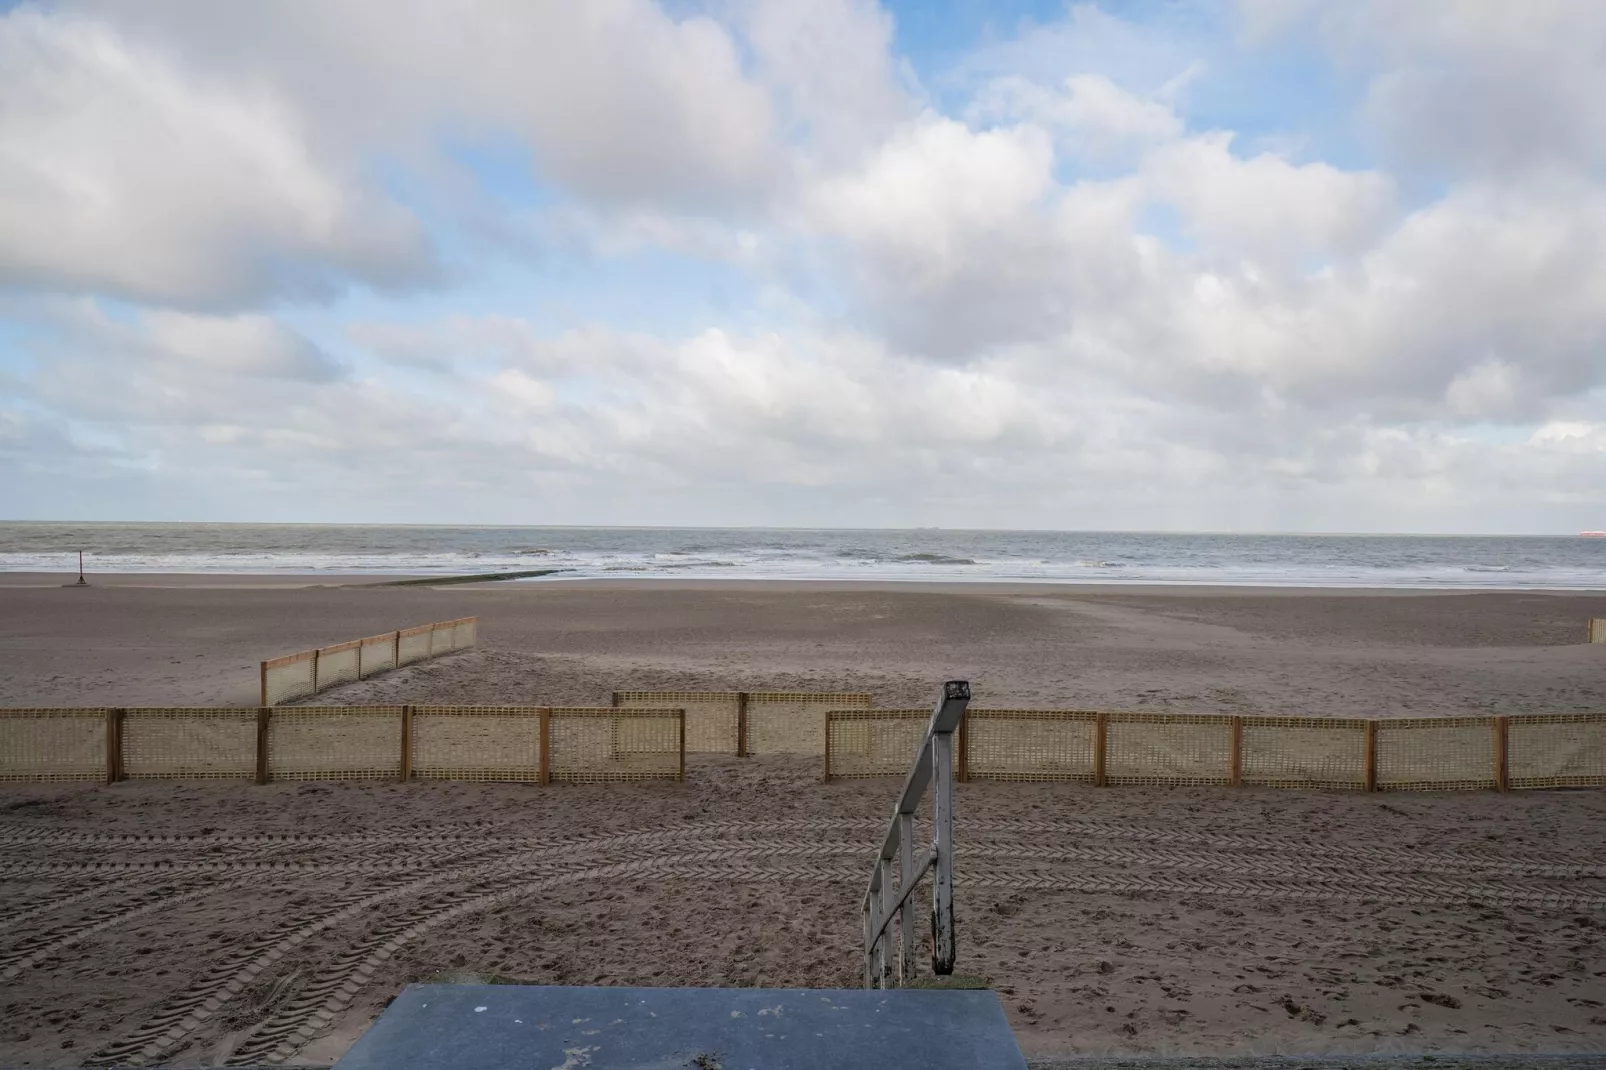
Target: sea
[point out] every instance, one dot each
(925, 554)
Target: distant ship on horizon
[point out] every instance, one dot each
(1592, 534)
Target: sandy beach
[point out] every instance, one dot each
(154, 640)
(186, 923)
(193, 923)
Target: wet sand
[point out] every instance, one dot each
(149, 640)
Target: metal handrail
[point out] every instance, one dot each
(933, 766)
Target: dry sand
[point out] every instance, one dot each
(1247, 921)
(1111, 920)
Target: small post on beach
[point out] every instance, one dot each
(544, 744)
(81, 581)
(1235, 760)
(407, 744)
(741, 724)
(263, 715)
(1100, 741)
(827, 716)
(1502, 754)
(1370, 758)
(114, 745)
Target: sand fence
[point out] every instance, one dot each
(646, 734)
(1361, 754)
(1597, 629)
(529, 744)
(751, 722)
(298, 676)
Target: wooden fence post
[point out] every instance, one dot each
(1100, 734)
(1237, 759)
(681, 718)
(263, 713)
(741, 724)
(827, 715)
(315, 687)
(114, 746)
(264, 699)
(546, 744)
(407, 744)
(1371, 755)
(395, 650)
(1502, 755)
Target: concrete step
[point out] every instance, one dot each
(530, 1027)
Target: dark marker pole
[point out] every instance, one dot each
(81, 581)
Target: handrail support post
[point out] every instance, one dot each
(906, 877)
(942, 886)
(883, 946)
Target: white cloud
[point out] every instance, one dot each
(1153, 59)
(122, 173)
(1059, 294)
(221, 155)
(1094, 117)
(172, 368)
(1457, 85)
(616, 100)
(823, 428)
(833, 72)
(1265, 208)
(252, 346)
(934, 186)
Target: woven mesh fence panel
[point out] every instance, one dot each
(1304, 752)
(614, 744)
(468, 632)
(1564, 750)
(1166, 748)
(710, 715)
(442, 638)
(1435, 753)
(287, 679)
(780, 722)
(477, 743)
(413, 645)
(378, 654)
(1029, 744)
(176, 742)
(335, 743)
(52, 745)
(1597, 630)
(337, 665)
(866, 743)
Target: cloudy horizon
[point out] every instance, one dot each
(1256, 265)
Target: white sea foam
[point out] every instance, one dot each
(925, 555)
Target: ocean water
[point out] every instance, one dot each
(1404, 561)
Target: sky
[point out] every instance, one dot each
(1257, 265)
